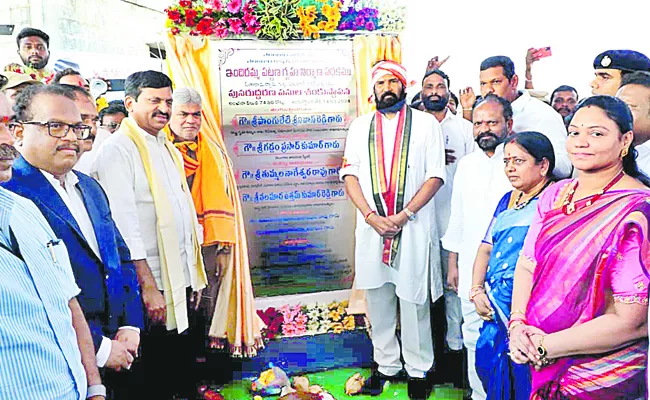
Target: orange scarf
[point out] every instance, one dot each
(214, 207)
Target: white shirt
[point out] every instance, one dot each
(119, 169)
(415, 272)
(88, 158)
(479, 184)
(458, 135)
(643, 157)
(534, 115)
(389, 130)
(71, 196)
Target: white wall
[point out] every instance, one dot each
(472, 30)
(105, 37)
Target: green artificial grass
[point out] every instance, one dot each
(333, 381)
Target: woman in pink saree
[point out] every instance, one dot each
(580, 301)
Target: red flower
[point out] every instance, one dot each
(194, 33)
(185, 3)
(236, 25)
(234, 6)
(205, 26)
(173, 14)
(190, 14)
(221, 29)
(175, 31)
(216, 4)
(250, 6)
(250, 19)
(253, 28)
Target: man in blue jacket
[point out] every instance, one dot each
(50, 130)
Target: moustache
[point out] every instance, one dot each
(157, 113)
(72, 145)
(383, 96)
(8, 152)
(484, 135)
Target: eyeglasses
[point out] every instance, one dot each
(61, 129)
(111, 126)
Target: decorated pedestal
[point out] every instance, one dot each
(303, 354)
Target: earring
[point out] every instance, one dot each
(624, 153)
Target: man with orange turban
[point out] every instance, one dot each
(394, 163)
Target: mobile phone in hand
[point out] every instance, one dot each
(542, 52)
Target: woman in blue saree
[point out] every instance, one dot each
(529, 160)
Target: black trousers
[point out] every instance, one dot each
(167, 366)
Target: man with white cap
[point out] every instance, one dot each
(394, 164)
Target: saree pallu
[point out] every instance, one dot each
(502, 379)
(574, 254)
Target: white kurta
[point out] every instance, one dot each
(479, 184)
(458, 135)
(411, 274)
(87, 159)
(119, 169)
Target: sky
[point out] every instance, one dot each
(471, 30)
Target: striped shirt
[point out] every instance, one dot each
(39, 354)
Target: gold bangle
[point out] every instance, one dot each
(518, 312)
(514, 324)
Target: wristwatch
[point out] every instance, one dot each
(409, 214)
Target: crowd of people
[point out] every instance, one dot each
(524, 223)
(109, 272)
(527, 218)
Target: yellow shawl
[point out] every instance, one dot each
(172, 278)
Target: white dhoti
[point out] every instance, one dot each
(471, 325)
(417, 346)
